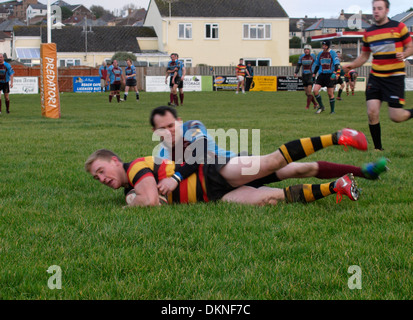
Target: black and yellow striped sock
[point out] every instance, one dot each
(306, 193)
(298, 149)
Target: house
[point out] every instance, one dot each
(298, 26)
(8, 25)
(4, 13)
(20, 8)
(326, 26)
(34, 10)
(5, 43)
(87, 46)
(134, 18)
(216, 32)
(79, 12)
(406, 18)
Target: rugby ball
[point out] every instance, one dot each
(130, 196)
(162, 200)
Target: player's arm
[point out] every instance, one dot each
(183, 72)
(146, 193)
(316, 65)
(198, 151)
(360, 60)
(297, 69)
(408, 51)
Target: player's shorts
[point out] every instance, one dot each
(131, 82)
(339, 80)
(4, 86)
(324, 80)
(102, 82)
(216, 185)
(181, 84)
(389, 89)
(353, 76)
(240, 78)
(308, 79)
(115, 87)
(177, 81)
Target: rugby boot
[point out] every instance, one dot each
(352, 138)
(348, 186)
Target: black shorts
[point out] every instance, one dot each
(308, 79)
(389, 89)
(216, 185)
(177, 81)
(115, 87)
(4, 86)
(339, 80)
(324, 80)
(131, 82)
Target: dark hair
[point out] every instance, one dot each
(327, 43)
(162, 110)
(387, 2)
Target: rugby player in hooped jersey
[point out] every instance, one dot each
(228, 181)
(390, 43)
(115, 77)
(306, 60)
(328, 66)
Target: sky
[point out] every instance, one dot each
(294, 8)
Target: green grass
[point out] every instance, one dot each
(53, 213)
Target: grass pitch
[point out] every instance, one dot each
(53, 213)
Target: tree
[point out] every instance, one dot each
(98, 11)
(123, 56)
(295, 42)
(66, 13)
(129, 6)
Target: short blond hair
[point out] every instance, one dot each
(101, 154)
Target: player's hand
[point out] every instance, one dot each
(167, 185)
(295, 75)
(347, 68)
(400, 56)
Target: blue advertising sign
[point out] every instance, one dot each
(86, 84)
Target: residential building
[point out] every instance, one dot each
(34, 10)
(406, 18)
(20, 9)
(87, 46)
(219, 33)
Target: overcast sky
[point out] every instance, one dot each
(294, 8)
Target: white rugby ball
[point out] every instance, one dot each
(130, 196)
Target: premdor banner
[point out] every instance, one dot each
(25, 85)
(49, 89)
(157, 83)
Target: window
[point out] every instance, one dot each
(211, 31)
(259, 62)
(257, 31)
(26, 62)
(185, 31)
(69, 62)
(339, 29)
(187, 62)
